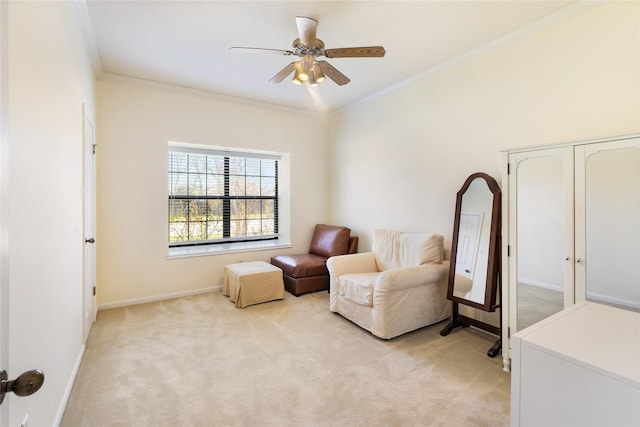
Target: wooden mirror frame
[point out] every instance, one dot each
(492, 282)
(493, 258)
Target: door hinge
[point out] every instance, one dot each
(94, 148)
(508, 250)
(94, 291)
(508, 331)
(508, 167)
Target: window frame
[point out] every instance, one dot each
(227, 242)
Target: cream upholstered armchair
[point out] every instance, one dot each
(398, 287)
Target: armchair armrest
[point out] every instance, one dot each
(411, 277)
(363, 262)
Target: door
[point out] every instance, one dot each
(608, 222)
(541, 273)
(4, 195)
(89, 281)
(468, 241)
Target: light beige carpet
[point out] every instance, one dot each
(536, 303)
(199, 361)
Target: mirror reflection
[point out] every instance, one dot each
(472, 254)
(612, 178)
(540, 228)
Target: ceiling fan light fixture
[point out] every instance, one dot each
(318, 75)
(296, 79)
(301, 73)
(313, 81)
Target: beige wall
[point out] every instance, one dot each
(135, 123)
(394, 162)
(398, 161)
(49, 80)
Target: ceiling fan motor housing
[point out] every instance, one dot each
(301, 50)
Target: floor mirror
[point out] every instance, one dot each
(474, 271)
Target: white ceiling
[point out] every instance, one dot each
(186, 43)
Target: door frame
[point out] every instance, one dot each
(89, 310)
(4, 197)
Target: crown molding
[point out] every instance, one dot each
(550, 19)
(89, 36)
(186, 90)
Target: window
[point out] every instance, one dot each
(218, 196)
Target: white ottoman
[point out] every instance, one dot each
(248, 283)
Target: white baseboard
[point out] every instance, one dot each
(155, 298)
(70, 383)
(541, 285)
(613, 301)
(590, 295)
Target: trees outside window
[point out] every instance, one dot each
(221, 197)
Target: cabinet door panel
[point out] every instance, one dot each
(544, 227)
(608, 223)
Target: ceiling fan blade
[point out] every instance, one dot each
(354, 52)
(261, 50)
(307, 28)
(283, 73)
(331, 72)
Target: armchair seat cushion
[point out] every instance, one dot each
(358, 287)
(301, 265)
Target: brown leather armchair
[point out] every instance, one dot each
(305, 273)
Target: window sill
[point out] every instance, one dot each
(226, 248)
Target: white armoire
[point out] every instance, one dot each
(571, 229)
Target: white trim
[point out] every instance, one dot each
(573, 143)
(89, 36)
(4, 199)
(226, 248)
(609, 300)
(89, 310)
(136, 301)
(186, 147)
(542, 285)
(69, 388)
(121, 78)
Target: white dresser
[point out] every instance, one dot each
(579, 367)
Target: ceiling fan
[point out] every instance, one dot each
(308, 69)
